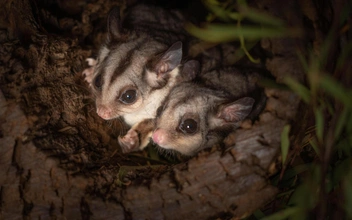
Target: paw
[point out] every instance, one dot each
(129, 142)
(91, 61)
(88, 73)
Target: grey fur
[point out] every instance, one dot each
(218, 101)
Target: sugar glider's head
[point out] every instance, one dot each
(129, 67)
(194, 117)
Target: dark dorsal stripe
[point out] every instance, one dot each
(126, 60)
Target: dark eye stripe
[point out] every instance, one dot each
(126, 61)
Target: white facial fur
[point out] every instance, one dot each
(150, 103)
(148, 68)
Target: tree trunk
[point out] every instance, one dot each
(59, 160)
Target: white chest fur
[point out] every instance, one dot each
(151, 104)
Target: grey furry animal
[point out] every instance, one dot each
(138, 64)
(199, 114)
(140, 133)
(141, 60)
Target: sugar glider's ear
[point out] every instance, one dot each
(233, 113)
(115, 30)
(157, 75)
(190, 70)
(170, 59)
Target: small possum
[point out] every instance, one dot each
(137, 66)
(199, 114)
(139, 63)
(139, 135)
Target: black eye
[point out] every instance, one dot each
(98, 82)
(129, 96)
(188, 126)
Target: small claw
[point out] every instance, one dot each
(88, 74)
(91, 61)
(129, 142)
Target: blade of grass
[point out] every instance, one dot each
(298, 88)
(215, 8)
(260, 17)
(258, 214)
(336, 90)
(228, 32)
(284, 214)
(243, 47)
(341, 123)
(290, 173)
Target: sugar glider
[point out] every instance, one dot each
(199, 114)
(139, 63)
(138, 137)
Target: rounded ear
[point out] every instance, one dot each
(236, 111)
(114, 24)
(190, 70)
(170, 59)
(233, 112)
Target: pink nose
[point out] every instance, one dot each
(104, 112)
(159, 136)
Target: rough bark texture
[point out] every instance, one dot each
(59, 160)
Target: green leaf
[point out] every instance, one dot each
(235, 16)
(290, 174)
(217, 10)
(319, 123)
(239, 54)
(285, 143)
(243, 47)
(284, 214)
(336, 90)
(260, 17)
(341, 123)
(296, 170)
(305, 196)
(298, 88)
(228, 32)
(258, 214)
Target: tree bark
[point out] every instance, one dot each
(60, 161)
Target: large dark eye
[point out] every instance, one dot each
(98, 82)
(188, 126)
(129, 96)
